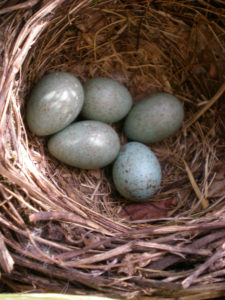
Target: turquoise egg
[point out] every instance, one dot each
(106, 100)
(154, 118)
(86, 145)
(54, 103)
(136, 172)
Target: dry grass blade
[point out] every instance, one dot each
(104, 256)
(26, 4)
(201, 198)
(218, 94)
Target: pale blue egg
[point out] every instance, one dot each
(136, 172)
(86, 145)
(106, 100)
(154, 118)
(54, 103)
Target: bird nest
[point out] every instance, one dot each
(67, 230)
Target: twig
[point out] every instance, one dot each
(218, 94)
(190, 279)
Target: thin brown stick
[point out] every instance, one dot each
(218, 94)
(190, 279)
(28, 3)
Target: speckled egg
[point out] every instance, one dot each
(86, 144)
(136, 172)
(154, 118)
(106, 100)
(54, 103)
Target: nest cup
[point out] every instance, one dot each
(68, 230)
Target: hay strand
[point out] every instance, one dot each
(201, 198)
(218, 94)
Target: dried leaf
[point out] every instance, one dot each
(217, 188)
(145, 211)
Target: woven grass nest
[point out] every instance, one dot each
(67, 230)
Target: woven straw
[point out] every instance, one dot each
(63, 229)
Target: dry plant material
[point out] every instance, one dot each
(61, 230)
(6, 260)
(18, 6)
(218, 94)
(202, 199)
(216, 189)
(147, 211)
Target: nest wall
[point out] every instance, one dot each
(68, 230)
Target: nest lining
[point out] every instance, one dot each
(66, 224)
